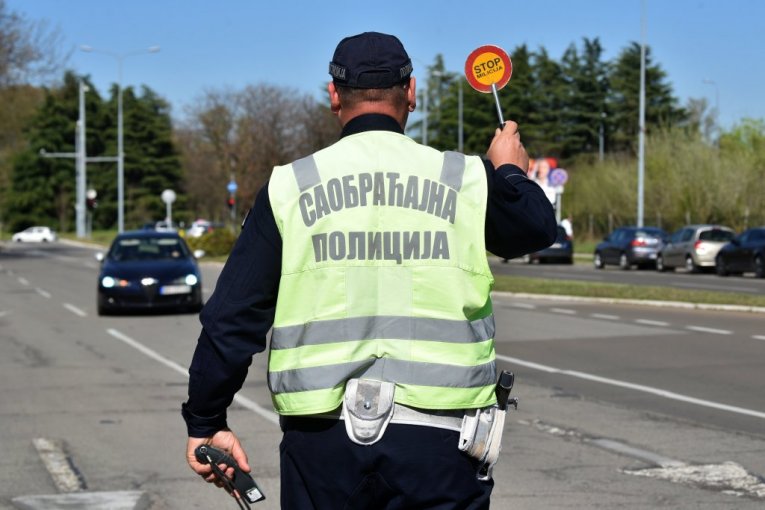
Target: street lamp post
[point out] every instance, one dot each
(601, 136)
(707, 81)
(120, 57)
(641, 121)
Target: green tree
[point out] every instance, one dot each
(549, 100)
(43, 189)
(661, 108)
(586, 77)
(29, 50)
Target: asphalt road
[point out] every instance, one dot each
(680, 279)
(621, 406)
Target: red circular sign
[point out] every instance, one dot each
(486, 66)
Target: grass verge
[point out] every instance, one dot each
(622, 291)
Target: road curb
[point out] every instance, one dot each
(640, 302)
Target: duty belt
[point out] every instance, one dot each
(405, 415)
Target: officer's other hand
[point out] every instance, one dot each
(506, 148)
(224, 440)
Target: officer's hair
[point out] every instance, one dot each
(395, 95)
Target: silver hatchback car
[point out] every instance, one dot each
(693, 247)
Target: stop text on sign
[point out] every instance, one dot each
(488, 66)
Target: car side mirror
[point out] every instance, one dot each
(735, 241)
(198, 254)
(607, 238)
(100, 256)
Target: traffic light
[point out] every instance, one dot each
(231, 202)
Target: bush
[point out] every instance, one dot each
(215, 243)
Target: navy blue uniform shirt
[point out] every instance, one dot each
(239, 314)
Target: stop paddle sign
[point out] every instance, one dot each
(488, 69)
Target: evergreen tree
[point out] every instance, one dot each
(43, 189)
(586, 77)
(660, 108)
(547, 136)
(151, 161)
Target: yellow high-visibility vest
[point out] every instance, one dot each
(384, 276)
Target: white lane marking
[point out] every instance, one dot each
(758, 337)
(649, 322)
(58, 465)
(23, 280)
(637, 453)
(564, 311)
(702, 329)
(727, 477)
(75, 310)
(43, 293)
(637, 387)
(243, 401)
(525, 306)
(605, 316)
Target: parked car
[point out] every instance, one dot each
(630, 246)
(146, 269)
(35, 235)
(693, 247)
(165, 226)
(562, 250)
(198, 228)
(744, 253)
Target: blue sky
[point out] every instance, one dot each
(211, 44)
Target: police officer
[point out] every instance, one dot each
(368, 258)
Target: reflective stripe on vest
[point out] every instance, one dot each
(384, 369)
(382, 327)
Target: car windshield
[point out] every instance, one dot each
(718, 235)
(148, 248)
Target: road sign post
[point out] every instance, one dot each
(231, 187)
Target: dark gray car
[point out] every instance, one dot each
(630, 246)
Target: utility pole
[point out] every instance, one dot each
(460, 132)
(641, 124)
(81, 160)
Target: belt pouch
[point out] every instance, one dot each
(367, 409)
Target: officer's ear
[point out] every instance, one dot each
(334, 98)
(411, 94)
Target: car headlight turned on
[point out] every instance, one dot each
(109, 282)
(191, 279)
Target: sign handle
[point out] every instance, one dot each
(499, 109)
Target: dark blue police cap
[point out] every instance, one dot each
(370, 61)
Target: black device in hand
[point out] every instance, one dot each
(242, 482)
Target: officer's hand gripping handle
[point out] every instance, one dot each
(242, 482)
